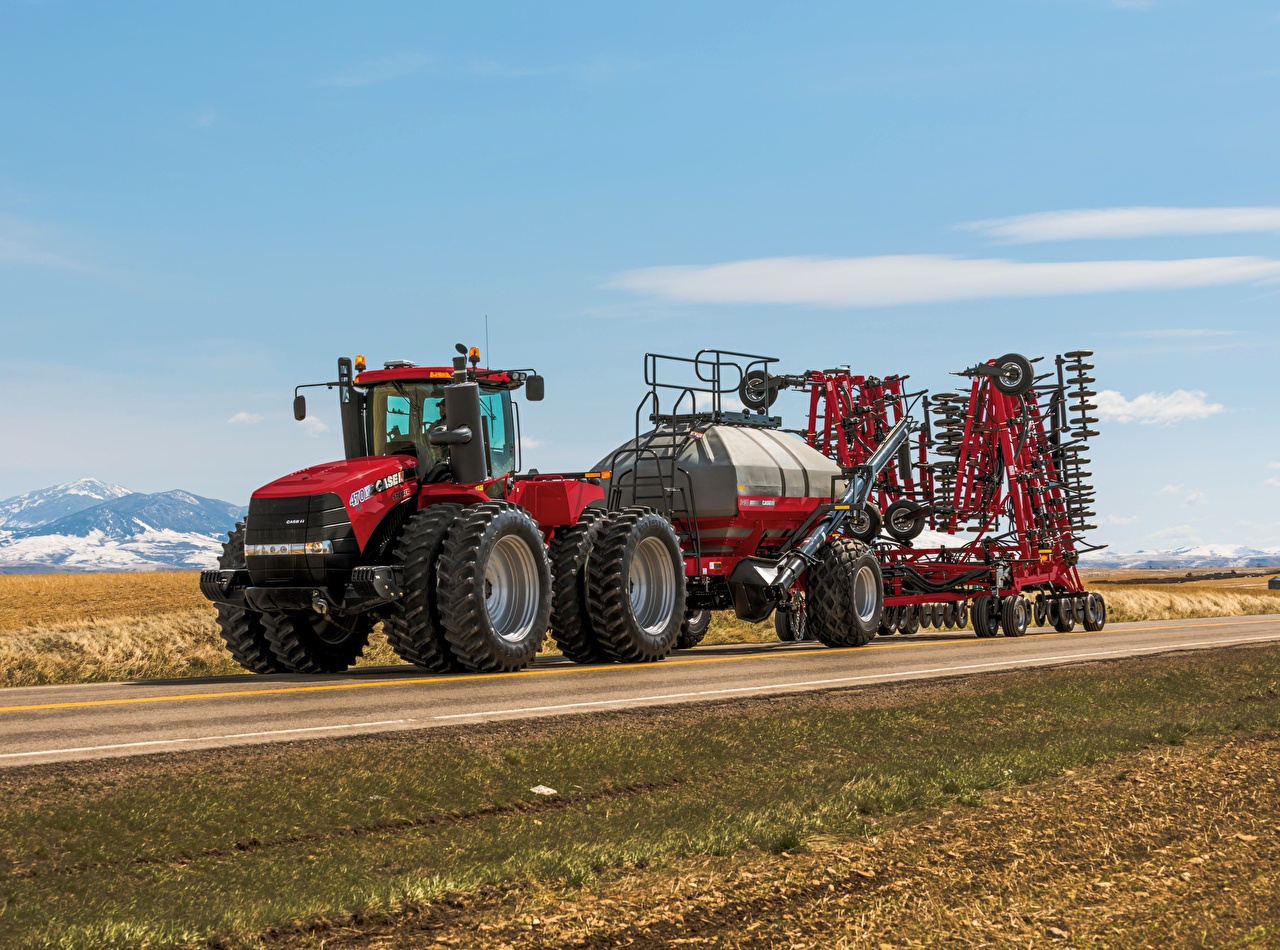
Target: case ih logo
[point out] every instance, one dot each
(364, 494)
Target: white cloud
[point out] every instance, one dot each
(378, 70)
(1181, 405)
(1273, 482)
(1090, 223)
(528, 442)
(1273, 465)
(244, 419)
(1117, 520)
(927, 278)
(1170, 490)
(1195, 497)
(313, 426)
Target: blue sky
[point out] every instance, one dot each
(201, 205)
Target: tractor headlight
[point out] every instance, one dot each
(276, 550)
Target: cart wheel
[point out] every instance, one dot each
(1095, 612)
(902, 520)
(986, 616)
(909, 619)
(790, 625)
(864, 525)
(846, 594)
(1014, 375)
(1041, 612)
(693, 629)
(1015, 614)
(1061, 614)
(757, 389)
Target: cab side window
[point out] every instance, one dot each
(495, 408)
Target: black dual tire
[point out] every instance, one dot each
(986, 616)
(414, 629)
(902, 520)
(570, 614)
(306, 642)
(635, 589)
(693, 629)
(1095, 612)
(846, 594)
(493, 582)
(243, 630)
(1015, 615)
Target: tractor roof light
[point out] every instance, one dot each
(474, 356)
(360, 364)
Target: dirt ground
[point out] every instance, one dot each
(1173, 847)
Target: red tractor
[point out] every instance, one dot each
(428, 525)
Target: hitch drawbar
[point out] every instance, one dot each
(759, 584)
(371, 586)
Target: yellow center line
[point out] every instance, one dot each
(448, 680)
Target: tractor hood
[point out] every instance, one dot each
(366, 487)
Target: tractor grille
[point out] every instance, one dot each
(293, 525)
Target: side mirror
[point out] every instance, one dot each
(533, 388)
(299, 407)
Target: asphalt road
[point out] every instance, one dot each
(65, 723)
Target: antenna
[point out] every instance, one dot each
(488, 356)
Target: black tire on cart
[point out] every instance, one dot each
(889, 621)
(846, 594)
(986, 616)
(636, 586)
(570, 615)
(1015, 614)
(494, 588)
(1095, 612)
(1040, 614)
(902, 520)
(1062, 615)
(791, 625)
(1014, 374)
(413, 627)
(693, 629)
(865, 525)
(306, 642)
(243, 630)
(908, 619)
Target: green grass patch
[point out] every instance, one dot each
(170, 850)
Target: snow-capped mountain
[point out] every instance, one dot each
(87, 525)
(1204, 555)
(49, 504)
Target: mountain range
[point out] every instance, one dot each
(89, 525)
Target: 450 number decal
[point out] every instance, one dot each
(360, 496)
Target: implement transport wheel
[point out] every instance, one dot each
(693, 629)
(889, 621)
(846, 594)
(494, 588)
(305, 642)
(1014, 375)
(1095, 612)
(413, 628)
(570, 615)
(1041, 611)
(1015, 614)
(791, 625)
(908, 619)
(242, 629)
(636, 586)
(1062, 614)
(902, 520)
(986, 616)
(864, 525)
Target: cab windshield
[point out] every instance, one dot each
(401, 416)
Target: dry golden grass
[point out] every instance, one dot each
(75, 628)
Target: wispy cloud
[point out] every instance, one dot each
(1118, 520)
(244, 419)
(1093, 223)
(927, 278)
(1273, 465)
(203, 119)
(1273, 482)
(1181, 405)
(23, 243)
(314, 427)
(377, 70)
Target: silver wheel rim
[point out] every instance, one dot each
(864, 594)
(653, 586)
(1011, 374)
(511, 589)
